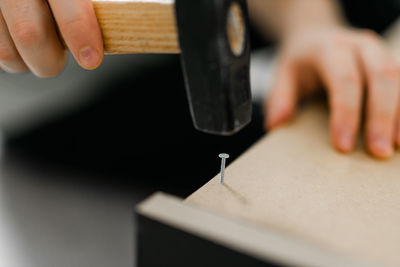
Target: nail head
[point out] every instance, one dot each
(223, 156)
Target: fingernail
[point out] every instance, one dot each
(383, 147)
(346, 142)
(89, 57)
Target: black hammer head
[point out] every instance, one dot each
(213, 37)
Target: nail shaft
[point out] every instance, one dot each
(223, 157)
(222, 170)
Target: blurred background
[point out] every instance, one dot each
(80, 150)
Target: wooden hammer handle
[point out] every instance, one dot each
(130, 27)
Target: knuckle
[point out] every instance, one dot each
(76, 24)
(389, 69)
(349, 79)
(340, 40)
(73, 22)
(370, 35)
(385, 72)
(26, 33)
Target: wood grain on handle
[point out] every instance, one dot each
(130, 27)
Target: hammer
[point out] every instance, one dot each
(212, 38)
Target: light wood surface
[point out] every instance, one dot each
(261, 243)
(294, 181)
(137, 26)
(293, 198)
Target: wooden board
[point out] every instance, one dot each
(181, 234)
(295, 182)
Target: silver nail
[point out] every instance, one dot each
(223, 157)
